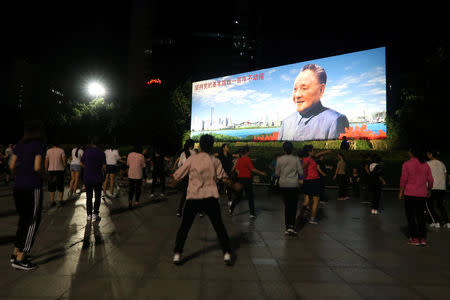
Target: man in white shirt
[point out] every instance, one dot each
(439, 173)
(112, 157)
(55, 161)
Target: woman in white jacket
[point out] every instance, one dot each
(289, 169)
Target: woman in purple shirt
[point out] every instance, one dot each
(94, 163)
(416, 183)
(26, 162)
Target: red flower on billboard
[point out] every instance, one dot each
(362, 133)
(269, 137)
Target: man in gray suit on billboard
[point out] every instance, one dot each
(311, 120)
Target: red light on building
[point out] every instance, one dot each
(151, 81)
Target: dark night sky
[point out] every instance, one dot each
(86, 39)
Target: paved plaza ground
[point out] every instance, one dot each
(128, 253)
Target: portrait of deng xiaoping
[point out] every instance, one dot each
(321, 99)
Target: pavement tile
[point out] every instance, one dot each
(311, 290)
(128, 254)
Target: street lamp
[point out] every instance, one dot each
(96, 90)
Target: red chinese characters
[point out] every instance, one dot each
(229, 82)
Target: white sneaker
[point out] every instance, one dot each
(437, 225)
(177, 258)
(291, 231)
(162, 195)
(89, 217)
(313, 221)
(375, 212)
(448, 225)
(95, 217)
(227, 258)
(152, 195)
(432, 225)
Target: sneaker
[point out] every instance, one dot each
(423, 242)
(152, 195)
(95, 217)
(313, 221)
(162, 195)
(177, 258)
(89, 217)
(432, 225)
(227, 258)
(413, 241)
(375, 212)
(448, 225)
(230, 212)
(286, 232)
(179, 215)
(13, 257)
(202, 215)
(229, 203)
(291, 231)
(252, 217)
(24, 264)
(437, 225)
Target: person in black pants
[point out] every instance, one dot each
(185, 154)
(226, 158)
(354, 180)
(245, 168)
(321, 168)
(376, 181)
(27, 164)
(94, 163)
(203, 171)
(289, 168)
(416, 183)
(158, 160)
(439, 173)
(341, 177)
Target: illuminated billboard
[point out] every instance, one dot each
(321, 99)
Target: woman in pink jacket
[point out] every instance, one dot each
(416, 183)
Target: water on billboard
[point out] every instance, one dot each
(322, 99)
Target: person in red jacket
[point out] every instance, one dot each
(416, 183)
(245, 168)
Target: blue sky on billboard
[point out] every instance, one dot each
(356, 87)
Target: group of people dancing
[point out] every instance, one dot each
(200, 176)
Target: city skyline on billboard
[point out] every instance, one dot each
(272, 101)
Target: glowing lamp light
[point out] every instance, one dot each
(96, 89)
(156, 81)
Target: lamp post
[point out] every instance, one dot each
(96, 90)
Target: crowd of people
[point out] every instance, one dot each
(201, 176)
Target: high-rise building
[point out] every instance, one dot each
(209, 45)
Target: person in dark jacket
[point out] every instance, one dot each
(27, 164)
